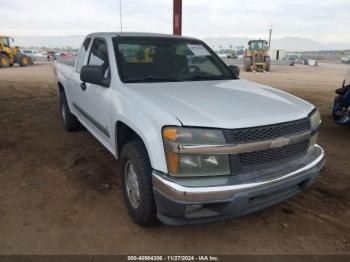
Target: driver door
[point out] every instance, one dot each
(95, 102)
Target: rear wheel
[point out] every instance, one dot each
(247, 64)
(267, 63)
(69, 121)
(24, 61)
(4, 61)
(136, 183)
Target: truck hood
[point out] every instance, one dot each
(223, 104)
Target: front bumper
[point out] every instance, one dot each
(179, 204)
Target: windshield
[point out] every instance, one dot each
(257, 45)
(156, 59)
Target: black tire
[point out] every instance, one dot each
(4, 61)
(337, 107)
(135, 153)
(69, 121)
(267, 63)
(247, 64)
(24, 61)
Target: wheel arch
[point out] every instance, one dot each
(124, 134)
(60, 88)
(62, 91)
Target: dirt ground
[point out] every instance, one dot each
(59, 192)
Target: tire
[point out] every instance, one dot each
(136, 182)
(337, 107)
(69, 121)
(267, 63)
(24, 61)
(247, 64)
(4, 61)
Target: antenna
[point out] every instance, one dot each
(121, 16)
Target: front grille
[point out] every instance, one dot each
(272, 155)
(271, 131)
(244, 162)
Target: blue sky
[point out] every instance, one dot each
(326, 21)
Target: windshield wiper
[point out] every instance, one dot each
(150, 79)
(203, 77)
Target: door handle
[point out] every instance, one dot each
(83, 86)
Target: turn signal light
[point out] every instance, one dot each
(173, 162)
(169, 133)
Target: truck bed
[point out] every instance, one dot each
(63, 70)
(68, 62)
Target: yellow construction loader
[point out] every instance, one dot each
(10, 54)
(256, 56)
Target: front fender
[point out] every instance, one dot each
(147, 121)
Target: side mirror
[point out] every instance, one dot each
(234, 69)
(94, 75)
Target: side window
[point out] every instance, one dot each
(82, 54)
(6, 42)
(99, 56)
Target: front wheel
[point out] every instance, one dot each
(4, 61)
(267, 63)
(136, 182)
(247, 64)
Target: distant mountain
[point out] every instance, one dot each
(287, 43)
(74, 41)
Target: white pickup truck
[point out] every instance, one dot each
(196, 143)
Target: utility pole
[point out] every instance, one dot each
(270, 36)
(121, 16)
(177, 17)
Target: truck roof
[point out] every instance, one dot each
(137, 34)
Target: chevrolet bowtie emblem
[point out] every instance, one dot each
(279, 142)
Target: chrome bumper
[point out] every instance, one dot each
(185, 194)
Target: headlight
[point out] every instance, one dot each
(186, 165)
(315, 119)
(193, 136)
